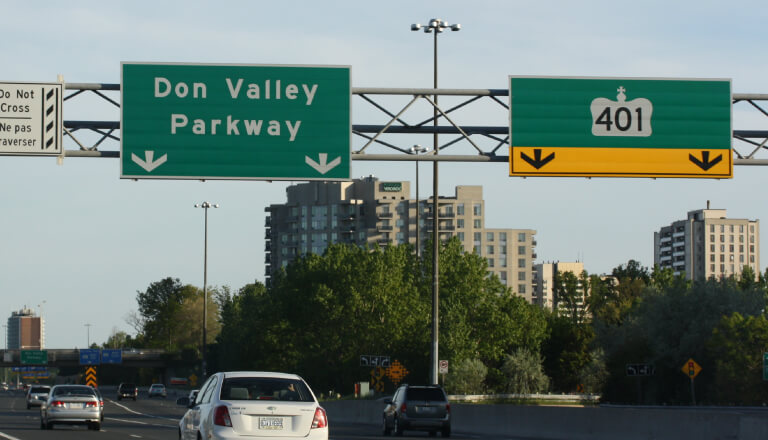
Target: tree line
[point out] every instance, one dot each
(322, 312)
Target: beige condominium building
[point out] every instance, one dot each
(367, 211)
(544, 274)
(707, 244)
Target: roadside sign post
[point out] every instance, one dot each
(691, 369)
(620, 127)
(765, 366)
(235, 122)
(31, 119)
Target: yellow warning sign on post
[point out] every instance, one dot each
(90, 377)
(691, 368)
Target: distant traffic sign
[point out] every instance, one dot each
(90, 356)
(691, 369)
(640, 370)
(216, 121)
(30, 118)
(34, 357)
(111, 356)
(619, 127)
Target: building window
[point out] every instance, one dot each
(722, 228)
(521, 236)
(741, 258)
(722, 258)
(489, 249)
(503, 261)
(503, 249)
(460, 209)
(711, 247)
(730, 228)
(712, 258)
(460, 223)
(503, 238)
(521, 262)
(751, 258)
(477, 224)
(711, 228)
(477, 209)
(521, 276)
(503, 276)
(712, 268)
(712, 238)
(731, 248)
(490, 262)
(521, 250)
(521, 288)
(461, 236)
(477, 237)
(722, 248)
(722, 238)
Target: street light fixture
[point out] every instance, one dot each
(205, 206)
(418, 149)
(435, 26)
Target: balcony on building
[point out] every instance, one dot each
(384, 228)
(385, 214)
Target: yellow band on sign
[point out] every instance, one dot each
(620, 162)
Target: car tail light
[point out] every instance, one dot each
(57, 404)
(447, 407)
(320, 420)
(90, 404)
(221, 416)
(403, 408)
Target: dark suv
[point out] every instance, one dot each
(419, 408)
(127, 390)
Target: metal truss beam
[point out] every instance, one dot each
(392, 140)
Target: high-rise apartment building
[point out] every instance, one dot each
(26, 331)
(367, 211)
(707, 244)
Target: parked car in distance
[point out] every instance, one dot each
(254, 404)
(127, 390)
(157, 390)
(36, 395)
(71, 405)
(418, 408)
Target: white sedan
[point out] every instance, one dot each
(256, 405)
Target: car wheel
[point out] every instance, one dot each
(95, 426)
(386, 429)
(397, 427)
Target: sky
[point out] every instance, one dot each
(77, 242)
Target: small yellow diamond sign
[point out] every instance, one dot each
(691, 368)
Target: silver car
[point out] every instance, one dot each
(254, 405)
(71, 405)
(36, 395)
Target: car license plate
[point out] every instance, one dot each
(271, 423)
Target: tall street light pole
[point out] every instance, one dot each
(88, 333)
(418, 149)
(205, 206)
(435, 26)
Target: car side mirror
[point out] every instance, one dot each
(183, 401)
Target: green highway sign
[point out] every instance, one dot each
(620, 127)
(236, 122)
(34, 357)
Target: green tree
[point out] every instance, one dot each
(466, 377)
(737, 346)
(524, 373)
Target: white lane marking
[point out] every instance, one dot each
(142, 414)
(136, 422)
(9, 437)
(136, 436)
